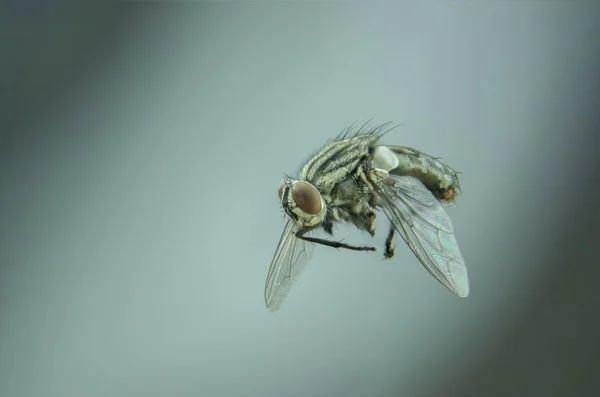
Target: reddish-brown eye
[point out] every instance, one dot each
(280, 189)
(306, 197)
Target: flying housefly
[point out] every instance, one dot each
(346, 181)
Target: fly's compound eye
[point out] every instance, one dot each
(280, 189)
(307, 197)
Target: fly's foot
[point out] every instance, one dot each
(389, 252)
(389, 248)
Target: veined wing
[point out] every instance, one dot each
(427, 229)
(291, 256)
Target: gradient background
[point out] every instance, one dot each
(141, 149)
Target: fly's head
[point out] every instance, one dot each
(302, 202)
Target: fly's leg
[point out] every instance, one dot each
(389, 248)
(371, 222)
(327, 227)
(334, 244)
(365, 175)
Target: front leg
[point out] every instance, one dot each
(328, 243)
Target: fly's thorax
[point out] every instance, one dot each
(302, 202)
(336, 161)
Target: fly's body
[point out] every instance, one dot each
(347, 181)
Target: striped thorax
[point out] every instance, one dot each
(336, 161)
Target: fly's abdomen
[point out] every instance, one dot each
(438, 177)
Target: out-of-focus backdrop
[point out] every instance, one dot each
(141, 147)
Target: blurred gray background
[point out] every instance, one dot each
(141, 147)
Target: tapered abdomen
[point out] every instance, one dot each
(438, 177)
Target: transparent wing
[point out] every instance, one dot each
(427, 229)
(291, 256)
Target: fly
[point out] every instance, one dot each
(349, 179)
